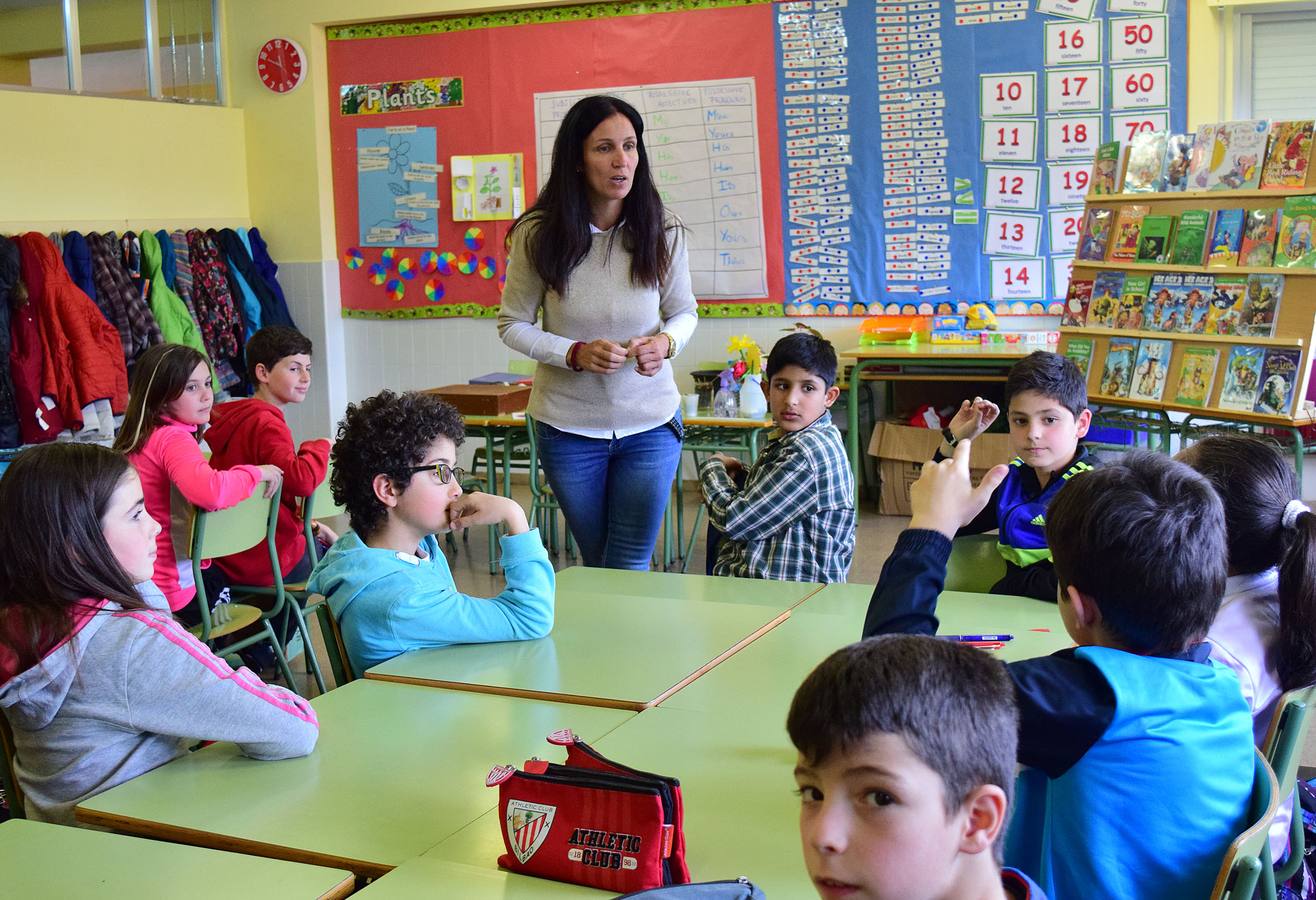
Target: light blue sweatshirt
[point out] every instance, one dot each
(387, 602)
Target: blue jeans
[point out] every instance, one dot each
(613, 491)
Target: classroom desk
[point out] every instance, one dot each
(428, 877)
(925, 362)
(493, 429)
(621, 639)
(41, 860)
(398, 768)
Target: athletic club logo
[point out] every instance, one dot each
(527, 826)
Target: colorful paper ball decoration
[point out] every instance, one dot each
(395, 288)
(386, 258)
(434, 290)
(474, 238)
(377, 273)
(488, 267)
(353, 258)
(429, 261)
(467, 262)
(407, 267)
(447, 263)
(502, 281)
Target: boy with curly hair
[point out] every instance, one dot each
(386, 580)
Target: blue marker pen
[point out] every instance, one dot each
(977, 638)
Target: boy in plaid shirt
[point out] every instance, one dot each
(794, 517)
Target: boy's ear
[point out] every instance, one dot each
(1086, 611)
(985, 815)
(832, 393)
(1083, 423)
(260, 373)
(386, 491)
(766, 387)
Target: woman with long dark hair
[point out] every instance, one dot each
(607, 267)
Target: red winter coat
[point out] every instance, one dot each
(37, 423)
(253, 432)
(81, 352)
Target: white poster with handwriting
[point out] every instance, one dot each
(702, 142)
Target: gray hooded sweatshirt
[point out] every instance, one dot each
(130, 691)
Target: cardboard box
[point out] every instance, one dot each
(901, 451)
(484, 399)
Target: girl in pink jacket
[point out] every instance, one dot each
(168, 406)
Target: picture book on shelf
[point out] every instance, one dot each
(1260, 228)
(1095, 233)
(1076, 302)
(1106, 169)
(1118, 373)
(1124, 236)
(1174, 170)
(1290, 151)
(1225, 238)
(1196, 375)
(1279, 376)
(1146, 157)
(1165, 297)
(1190, 237)
(1261, 304)
(1242, 378)
(1107, 288)
(1225, 311)
(1080, 351)
(1154, 238)
(1293, 249)
(1197, 293)
(1132, 302)
(1237, 154)
(1199, 162)
(1151, 370)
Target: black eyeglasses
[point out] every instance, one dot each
(446, 472)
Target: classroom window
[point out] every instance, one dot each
(161, 49)
(1274, 64)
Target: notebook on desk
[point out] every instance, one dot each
(502, 378)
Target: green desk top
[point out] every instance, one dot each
(767, 672)
(397, 769)
(623, 639)
(741, 815)
(40, 860)
(427, 877)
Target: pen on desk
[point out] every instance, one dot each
(977, 638)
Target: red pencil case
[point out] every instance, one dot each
(609, 830)
(584, 756)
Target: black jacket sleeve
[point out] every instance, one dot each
(1037, 581)
(1065, 703)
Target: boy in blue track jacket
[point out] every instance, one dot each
(1046, 404)
(386, 580)
(1137, 748)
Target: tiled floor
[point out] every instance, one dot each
(876, 536)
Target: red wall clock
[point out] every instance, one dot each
(281, 65)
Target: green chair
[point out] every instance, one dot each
(975, 564)
(223, 533)
(1283, 745)
(339, 662)
(8, 780)
(1249, 852)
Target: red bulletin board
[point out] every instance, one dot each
(503, 60)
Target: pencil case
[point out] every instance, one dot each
(588, 826)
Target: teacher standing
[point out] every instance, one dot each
(608, 269)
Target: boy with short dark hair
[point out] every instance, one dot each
(253, 432)
(1046, 403)
(906, 772)
(386, 580)
(1138, 747)
(794, 517)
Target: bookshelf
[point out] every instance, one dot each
(1295, 322)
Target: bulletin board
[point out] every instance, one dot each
(512, 96)
(908, 155)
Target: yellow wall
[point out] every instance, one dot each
(101, 162)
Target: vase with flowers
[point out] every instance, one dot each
(745, 365)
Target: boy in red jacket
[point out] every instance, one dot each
(253, 432)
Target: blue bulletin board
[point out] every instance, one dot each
(936, 152)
